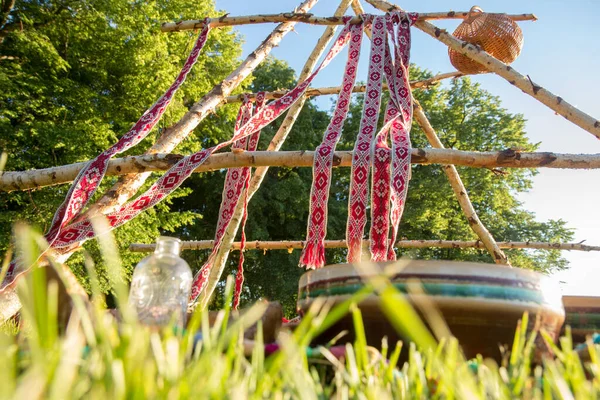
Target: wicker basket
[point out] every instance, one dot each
(497, 34)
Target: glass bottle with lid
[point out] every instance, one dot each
(160, 286)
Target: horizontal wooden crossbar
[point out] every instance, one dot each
(35, 179)
(411, 244)
(307, 18)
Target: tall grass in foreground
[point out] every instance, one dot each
(97, 357)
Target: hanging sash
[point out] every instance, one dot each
(313, 254)
(361, 156)
(87, 181)
(391, 166)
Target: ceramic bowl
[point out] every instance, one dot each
(480, 303)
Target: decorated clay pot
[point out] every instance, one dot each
(480, 303)
(582, 314)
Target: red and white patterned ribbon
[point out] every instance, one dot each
(361, 156)
(236, 183)
(87, 181)
(82, 230)
(313, 254)
(391, 167)
(400, 131)
(380, 188)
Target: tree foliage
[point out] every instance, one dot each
(75, 75)
(465, 116)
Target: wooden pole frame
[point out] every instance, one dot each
(401, 244)
(128, 186)
(257, 177)
(307, 18)
(523, 82)
(508, 158)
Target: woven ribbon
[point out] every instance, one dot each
(313, 254)
(400, 131)
(361, 156)
(87, 181)
(82, 230)
(391, 166)
(252, 146)
(236, 184)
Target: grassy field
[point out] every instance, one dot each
(96, 357)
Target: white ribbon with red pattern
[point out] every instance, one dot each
(236, 183)
(313, 254)
(83, 230)
(400, 132)
(391, 167)
(361, 156)
(87, 181)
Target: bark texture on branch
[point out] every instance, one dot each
(260, 173)
(126, 187)
(554, 102)
(404, 244)
(334, 90)
(509, 158)
(307, 18)
(459, 189)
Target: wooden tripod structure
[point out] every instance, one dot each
(135, 170)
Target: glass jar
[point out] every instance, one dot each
(160, 286)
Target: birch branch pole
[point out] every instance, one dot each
(307, 18)
(127, 186)
(404, 244)
(258, 176)
(554, 102)
(334, 90)
(459, 189)
(509, 158)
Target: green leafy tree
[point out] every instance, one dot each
(76, 75)
(465, 116)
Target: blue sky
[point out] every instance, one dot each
(560, 52)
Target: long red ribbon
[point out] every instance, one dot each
(391, 166)
(313, 254)
(87, 181)
(361, 156)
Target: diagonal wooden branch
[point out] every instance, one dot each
(308, 19)
(358, 10)
(127, 186)
(404, 244)
(260, 173)
(554, 102)
(7, 6)
(459, 189)
(334, 90)
(509, 158)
